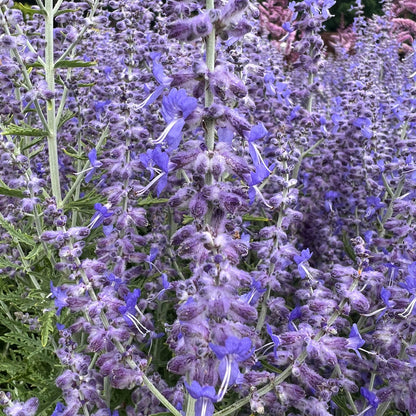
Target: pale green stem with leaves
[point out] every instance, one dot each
(50, 104)
(209, 97)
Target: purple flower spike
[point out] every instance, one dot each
(295, 313)
(92, 156)
(163, 80)
(100, 217)
(301, 260)
(370, 396)
(205, 398)
(275, 339)
(355, 340)
(177, 106)
(60, 297)
(410, 286)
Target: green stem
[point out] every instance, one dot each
(209, 96)
(50, 104)
(160, 396)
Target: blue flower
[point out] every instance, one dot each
(254, 294)
(301, 260)
(330, 196)
(355, 340)
(205, 398)
(295, 313)
(163, 80)
(129, 311)
(262, 171)
(373, 205)
(364, 124)
(59, 409)
(60, 297)
(177, 106)
(92, 156)
(371, 397)
(234, 351)
(101, 214)
(151, 160)
(275, 339)
(131, 301)
(410, 286)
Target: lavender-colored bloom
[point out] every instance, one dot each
(235, 350)
(355, 340)
(101, 215)
(301, 260)
(60, 297)
(190, 29)
(295, 313)
(92, 156)
(370, 396)
(205, 398)
(410, 286)
(27, 408)
(163, 80)
(275, 339)
(176, 108)
(364, 123)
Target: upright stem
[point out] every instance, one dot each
(209, 97)
(50, 110)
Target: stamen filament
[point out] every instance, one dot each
(408, 311)
(137, 323)
(165, 132)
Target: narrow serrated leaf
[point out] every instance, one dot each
(68, 115)
(32, 143)
(26, 9)
(341, 402)
(149, 200)
(74, 155)
(24, 130)
(161, 414)
(46, 326)
(348, 247)
(76, 63)
(89, 84)
(59, 12)
(16, 234)
(187, 219)
(7, 263)
(254, 218)
(34, 252)
(6, 191)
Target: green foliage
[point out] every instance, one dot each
(6, 191)
(17, 236)
(28, 365)
(344, 16)
(24, 130)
